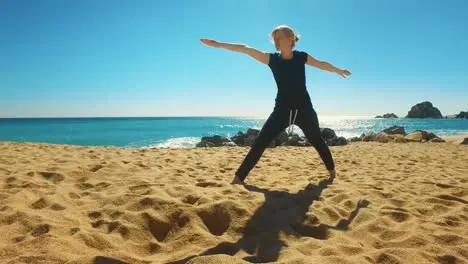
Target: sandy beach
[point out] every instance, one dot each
(390, 203)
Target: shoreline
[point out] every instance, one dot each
(454, 139)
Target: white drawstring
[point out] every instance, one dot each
(290, 129)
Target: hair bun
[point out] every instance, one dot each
(296, 38)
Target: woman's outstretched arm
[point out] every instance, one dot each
(326, 66)
(261, 56)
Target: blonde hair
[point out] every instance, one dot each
(289, 32)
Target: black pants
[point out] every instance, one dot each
(279, 120)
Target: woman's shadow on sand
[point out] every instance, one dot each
(282, 211)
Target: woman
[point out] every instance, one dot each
(288, 67)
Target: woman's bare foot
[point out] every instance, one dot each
(237, 181)
(332, 176)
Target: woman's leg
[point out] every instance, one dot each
(276, 123)
(308, 122)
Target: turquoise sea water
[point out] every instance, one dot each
(180, 132)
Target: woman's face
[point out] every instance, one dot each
(282, 41)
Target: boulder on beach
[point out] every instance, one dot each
(423, 136)
(283, 139)
(385, 138)
(424, 110)
(245, 139)
(337, 141)
(213, 141)
(327, 133)
(368, 136)
(394, 130)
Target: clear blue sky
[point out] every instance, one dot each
(144, 58)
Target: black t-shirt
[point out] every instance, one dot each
(290, 79)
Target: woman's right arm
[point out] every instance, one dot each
(261, 56)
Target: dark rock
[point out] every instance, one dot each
(327, 133)
(282, 139)
(417, 135)
(423, 136)
(431, 136)
(369, 136)
(253, 132)
(437, 139)
(239, 138)
(293, 140)
(204, 144)
(337, 141)
(462, 115)
(395, 130)
(392, 115)
(249, 141)
(246, 139)
(228, 144)
(383, 138)
(354, 139)
(215, 141)
(303, 143)
(424, 110)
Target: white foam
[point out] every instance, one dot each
(183, 142)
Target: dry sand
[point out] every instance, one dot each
(390, 203)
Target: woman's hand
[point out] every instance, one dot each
(343, 73)
(210, 42)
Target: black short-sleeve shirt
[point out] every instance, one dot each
(290, 79)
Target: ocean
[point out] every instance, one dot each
(183, 132)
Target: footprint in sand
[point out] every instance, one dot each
(112, 226)
(141, 189)
(40, 230)
(452, 198)
(10, 179)
(158, 228)
(190, 199)
(396, 214)
(74, 195)
(84, 186)
(448, 259)
(115, 214)
(102, 185)
(57, 207)
(40, 204)
(94, 215)
(216, 218)
(74, 230)
(208, 184)
(19, 239)
(95, 168)
(52, 176)
(441, 185)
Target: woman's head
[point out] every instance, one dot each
(284, 37)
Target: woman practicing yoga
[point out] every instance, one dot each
(292, 103)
